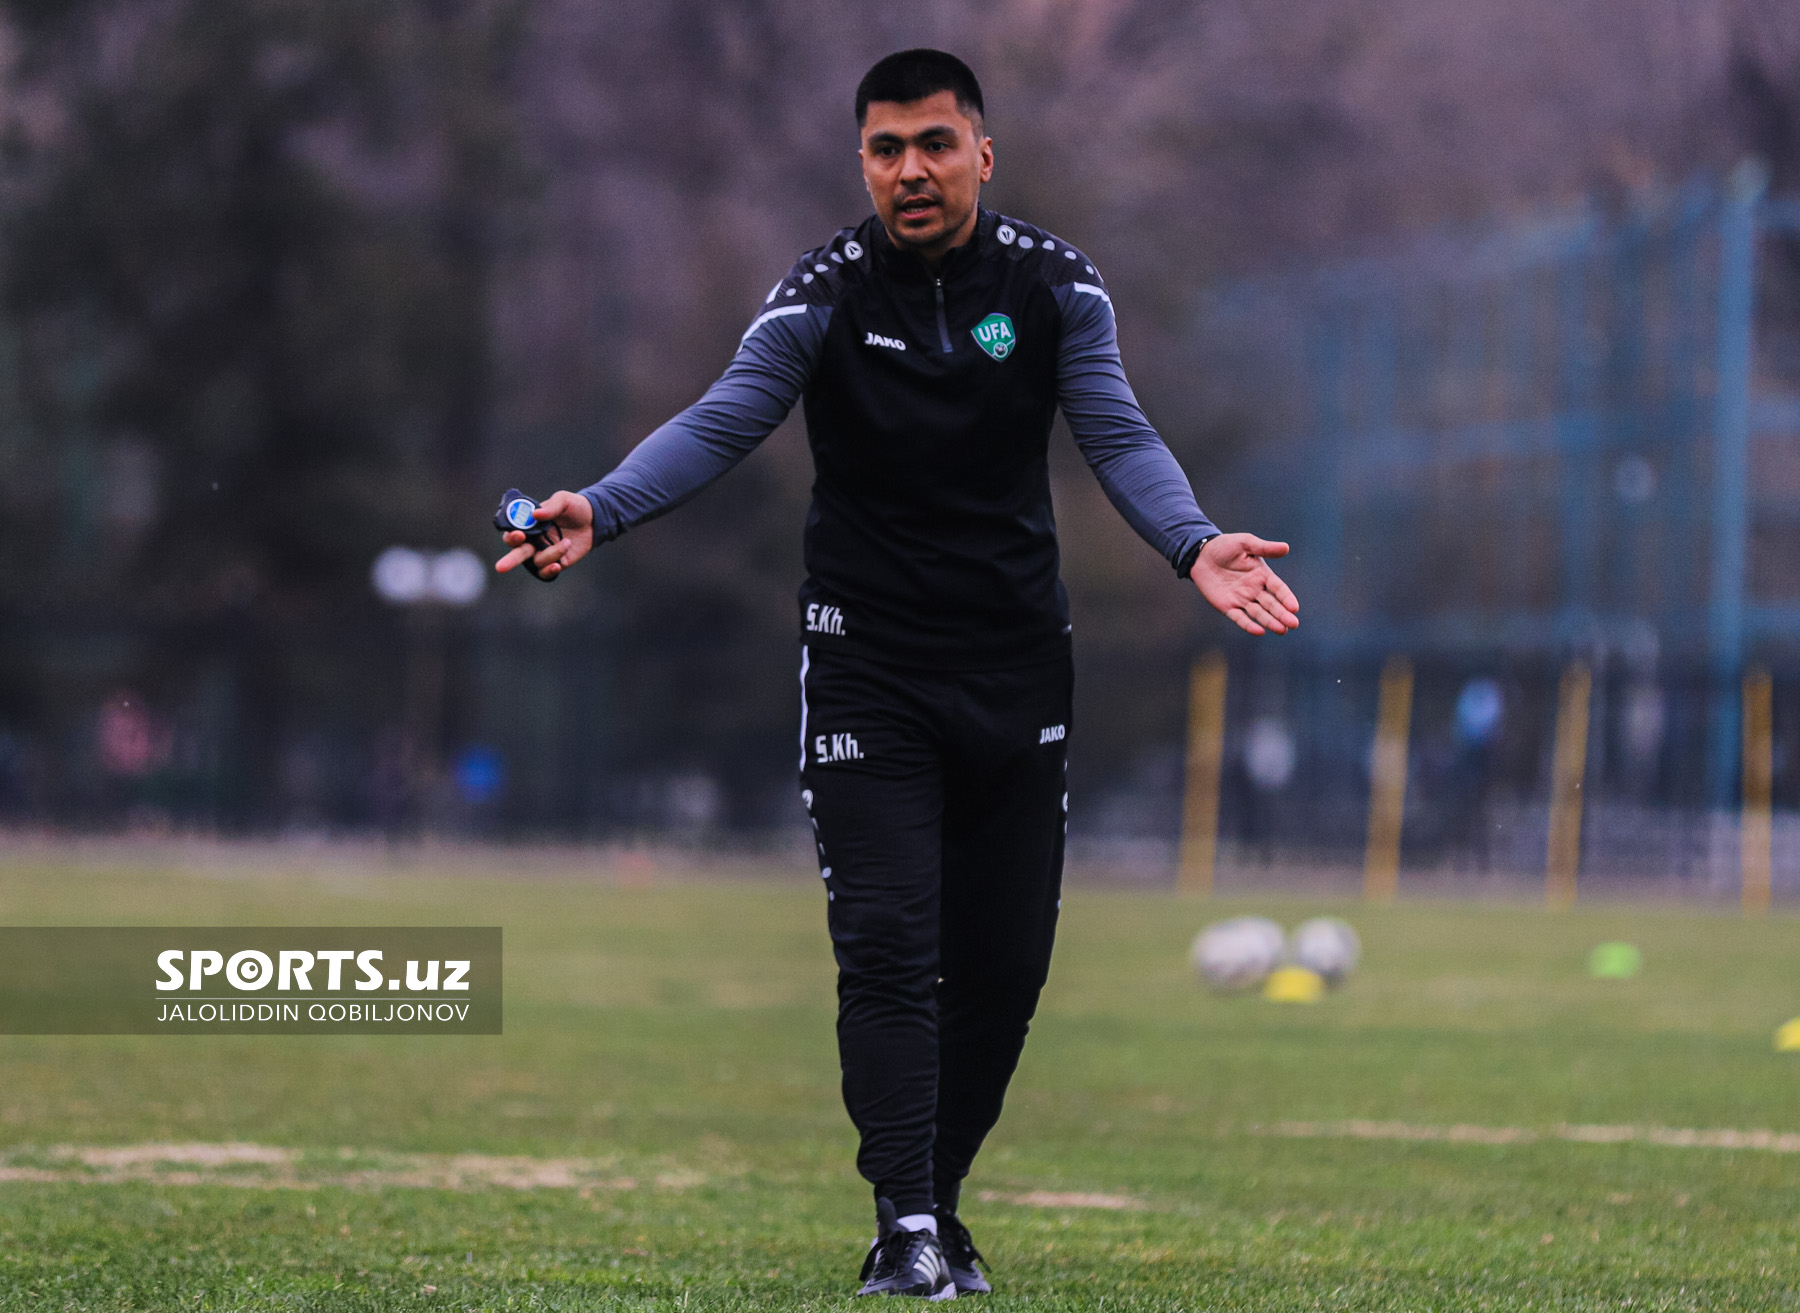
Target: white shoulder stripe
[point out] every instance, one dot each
(767, 315)
(1089, 288)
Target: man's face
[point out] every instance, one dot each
(924, 162)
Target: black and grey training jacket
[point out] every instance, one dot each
(929, 399)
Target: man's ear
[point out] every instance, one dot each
(987, 159)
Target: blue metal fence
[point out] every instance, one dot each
(1575, 437)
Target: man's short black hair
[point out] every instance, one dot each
(910, 75)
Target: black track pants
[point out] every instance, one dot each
(939, 804)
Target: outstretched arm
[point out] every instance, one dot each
(678, 460)
(1143, 480)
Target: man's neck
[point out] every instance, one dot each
(937, 252)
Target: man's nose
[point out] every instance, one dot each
(912, 165)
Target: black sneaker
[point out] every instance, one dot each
(904, 1262)
(962, 1256)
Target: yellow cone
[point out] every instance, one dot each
(1297, 985)
(1787, 1039)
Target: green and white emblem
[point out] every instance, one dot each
(995, 336)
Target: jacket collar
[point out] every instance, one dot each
(905, 264)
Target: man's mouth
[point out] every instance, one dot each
(917, 207)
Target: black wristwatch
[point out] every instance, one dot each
(1185, 565)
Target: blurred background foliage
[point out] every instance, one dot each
(289, 281)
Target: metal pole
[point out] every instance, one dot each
(1577, 439)
(1387, 782)
(1205, 751)
(1323, 491)
(1759, 772)
(1730, 472)
(1569, 765)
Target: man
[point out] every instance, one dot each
(932, 345)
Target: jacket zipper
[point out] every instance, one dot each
(943, 326)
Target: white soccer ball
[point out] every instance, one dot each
(1326, 946)
(1237, 954)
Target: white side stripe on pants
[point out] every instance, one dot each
(805, 664)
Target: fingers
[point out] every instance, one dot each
(568, 508)
(1264, 612)
(1263, 547)
(549, 563)
(1276, 601)
(554, 559)
(552, 506)
(516, 557)
(1282, 592)
(1259, 603)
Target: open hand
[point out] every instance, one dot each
(571, 513)
(1231, 575)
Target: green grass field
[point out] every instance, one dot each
(665, 1099)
